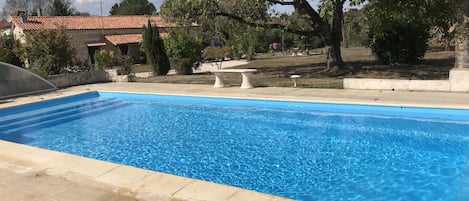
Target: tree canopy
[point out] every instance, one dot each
(30, 6)
(49, 50)
(325, 22)
(47, 7)
(133, 7)
(61, 8)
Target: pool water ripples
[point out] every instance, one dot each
(304, 155)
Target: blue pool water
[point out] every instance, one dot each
(302, 151)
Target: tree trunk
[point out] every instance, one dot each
(336, 35)
(462, 42)
(344, 35)
(331, 36)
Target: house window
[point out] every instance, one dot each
(124, 48)
(93, 46)
(91, 51)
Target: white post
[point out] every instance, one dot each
(218, 81)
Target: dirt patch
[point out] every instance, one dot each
(275, 70)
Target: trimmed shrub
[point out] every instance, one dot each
(103, 59)
(184, 66)
(400, 42)
(126, 63)
(155, 50)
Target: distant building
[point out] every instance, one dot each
(5, 27)
(121, 34)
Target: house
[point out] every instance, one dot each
(5, 27)
(121, 34)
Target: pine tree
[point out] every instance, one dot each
(154, 49)
(61, 8)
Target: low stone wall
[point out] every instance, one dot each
(458, 82)
(73, 79)
(398, 85)
(459, 78)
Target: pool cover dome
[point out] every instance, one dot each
(16, 81)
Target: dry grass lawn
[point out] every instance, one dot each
(275, 70)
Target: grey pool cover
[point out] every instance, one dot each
(16, 81)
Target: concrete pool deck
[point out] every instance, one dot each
(29, 173)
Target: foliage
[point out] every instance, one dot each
(30, 6)
(49, 50)
(210, 53)
(154, 49)
(255, 14)
(7, 51)
(61, 8)
(126, 63)
(216, 54)
(104, 59)
(244, 42)
(443, 15)
(399, 30)
(399, 42)
(183, 49)
(133, 7)
(183, 66)
(356, 28)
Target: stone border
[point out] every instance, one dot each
(458, 82)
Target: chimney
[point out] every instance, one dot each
(22, 14)
(39, 11)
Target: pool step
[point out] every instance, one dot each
(61, 117)
(17, 117)
(52, 114)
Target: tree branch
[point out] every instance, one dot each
(268, 25)
(283, 3)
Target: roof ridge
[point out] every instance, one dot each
(94, 16)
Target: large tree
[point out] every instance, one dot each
(30, 6)
(61, 8)
(256, 13)
(462, 44)
(133, 7)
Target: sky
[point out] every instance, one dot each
(93, 6)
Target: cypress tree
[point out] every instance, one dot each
(154, 49)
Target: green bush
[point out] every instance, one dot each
(154, 49)
(398, 29)
(126, 63)
(103, 59)
(8, 46)
(184, 66)
(182, 48)
(401, 42)
(49, 51)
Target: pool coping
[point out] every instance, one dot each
(148, 185)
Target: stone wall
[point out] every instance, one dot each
(458, 82)
(73, 79)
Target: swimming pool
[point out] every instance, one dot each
(302, 151)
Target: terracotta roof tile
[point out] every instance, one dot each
(129, 38)
(88, 22)
(124, 39)
(5, 24)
